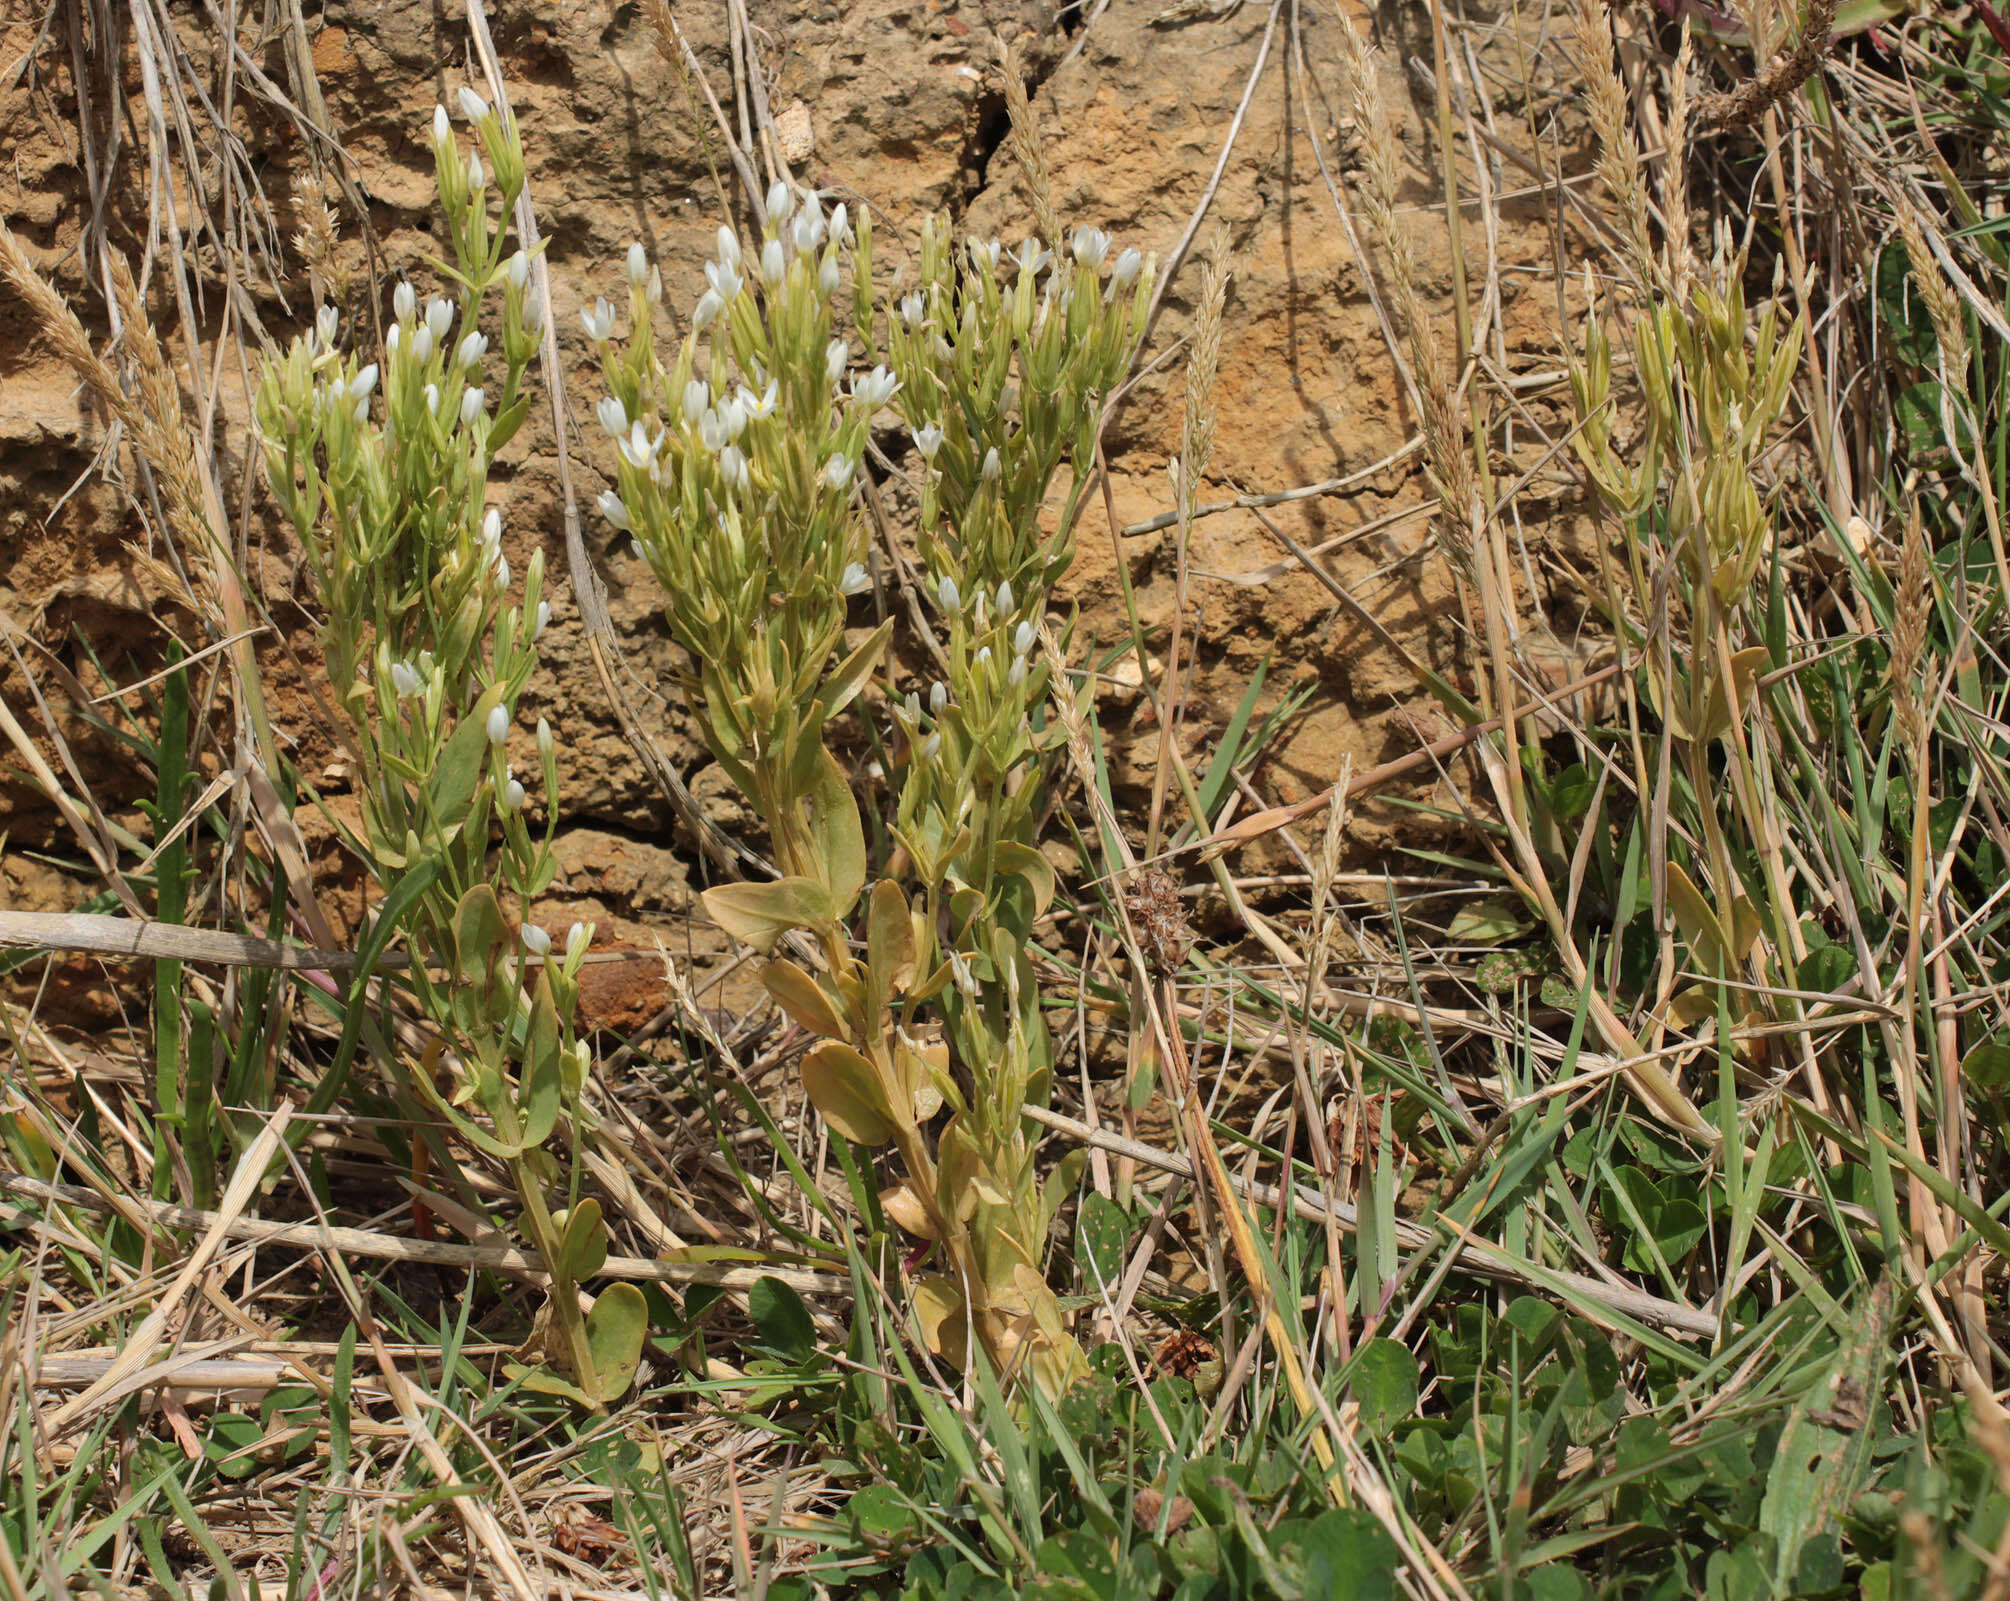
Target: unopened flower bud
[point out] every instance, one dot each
(938, 697)
(912, 307)
(540, 621)
(778, 202)
(439, 317)
(476, 175)
(1023, 638)
(991, 464)
(492, 527)
(404, 301)
(326, 321)
(1129, 265)
(471, 405)
(612, 509)
(729, 248)
(1005, 598)
(837, 471)
(443, 130)
(472, 349)
(536, 940)
(473, 106)
(836, 354)
(774, 266)
(498, 724)
(946, 592)
(613, 416)
(511, 797)
(422, 345)
(577, 939)
(364, 381)
(706, 312)
(827, 277)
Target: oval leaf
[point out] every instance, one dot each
(760, 914)
(803, 999)
(614, 1332)
(846, 1092)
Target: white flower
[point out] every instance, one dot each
(404, 301)
(519, 270)
(912, 706)
(638, 449)
(536, 940)
(733, 463)
(778, 202)
(706, 312)
(773, 265)
(404, 680)
(1032, 256)
(533, 315)
(475, 175)
(365, 381)
(966, 980)
(840, 222)
(931, 747)
(511, 798)
(326, 321)
(473, 106)
(439, 317)
(807, 231)
(443, 130)
(724, 281)
(1129, 265)
(912, 307)
(362, 411)
(599, 322)
(492, 527)
(991, 464)
(422, 345)
(1091, 245)
(938, 697)
(498, 724)
(1005, 597)
(612, 509)
(577, 938)
(638, 265)
(946, 592)
(1018, 674)
(985, 254)
(501, 571)
(827, 277)
(696, 397)
(733, 418)
(711, 431)
(393, 336)
(729, 248)
(762, 405)
(540, 621)
(472, 349)
(471, 405)
(928, 440)
(875, 388)
(432, 395)
(836, 354)
(1022, 638)
(837, 471)
(613, 415)
(854, 580)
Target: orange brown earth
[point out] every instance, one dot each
(892, 103)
